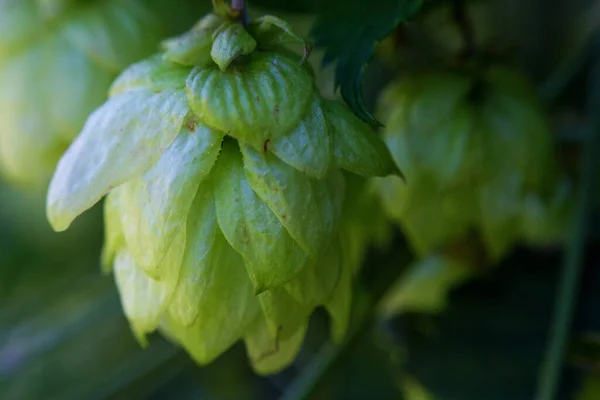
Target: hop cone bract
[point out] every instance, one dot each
(224, 172)
(478, 156)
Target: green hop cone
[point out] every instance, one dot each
(224, 169)
(57, 61)
(478, 156)
(364, 222)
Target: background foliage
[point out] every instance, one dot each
(63, 335)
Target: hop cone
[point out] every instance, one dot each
(224, 172)
(478, 156)
(57, 60)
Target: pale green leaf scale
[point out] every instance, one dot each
(500, 208)
(272, 256)
(144, 299)
(283, 314)
(191, 48)
(420, 204)
(543, 220)
(213, 275)
(424, 286)
(356, 147)
(119, 141)
(308, 146)
(301, 204)
(315, 284)
(340, 303)
(153, 73)
(516, 139)
(231, 40)
(209, 23)
(431, 128)
(433, 103)
(270, 356)
(200, 266)
(273, 33)
(114, 240)
(115, 33)
(214, 303)
(159, 200)
(256, 101)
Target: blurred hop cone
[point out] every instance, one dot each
(477, 153)
(57, 60)
(223, 167)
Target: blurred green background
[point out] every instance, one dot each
(63, 334)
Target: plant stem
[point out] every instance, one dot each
(242, 8)
(549, 383)
(304, 385)
(237, 5)
(461, 16)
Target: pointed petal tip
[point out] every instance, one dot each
(140, 336)
(259, 289)
(184, 317)
(58, 219)
(397, 172)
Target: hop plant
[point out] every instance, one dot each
(224, 172)
(57, 61)
(478, 155)
(364, 223)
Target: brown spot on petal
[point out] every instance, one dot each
(191, 126)
(284, 217)
(266, 145)
(272, 351)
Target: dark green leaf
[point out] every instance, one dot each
(349, 31)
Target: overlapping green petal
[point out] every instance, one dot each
(356, 147)
(478, 156)
(272, 256)
(114, 240)
(193, 47)
(231, 40)
(156, 204)
(270, 356)
(152, 73)
(283, 314)
(214, 302)
(307, 147)
(266, 104)
(304, 206)
(274, 33)
(119, 141)
(145, 299)
(225, 188)
(340, 303)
